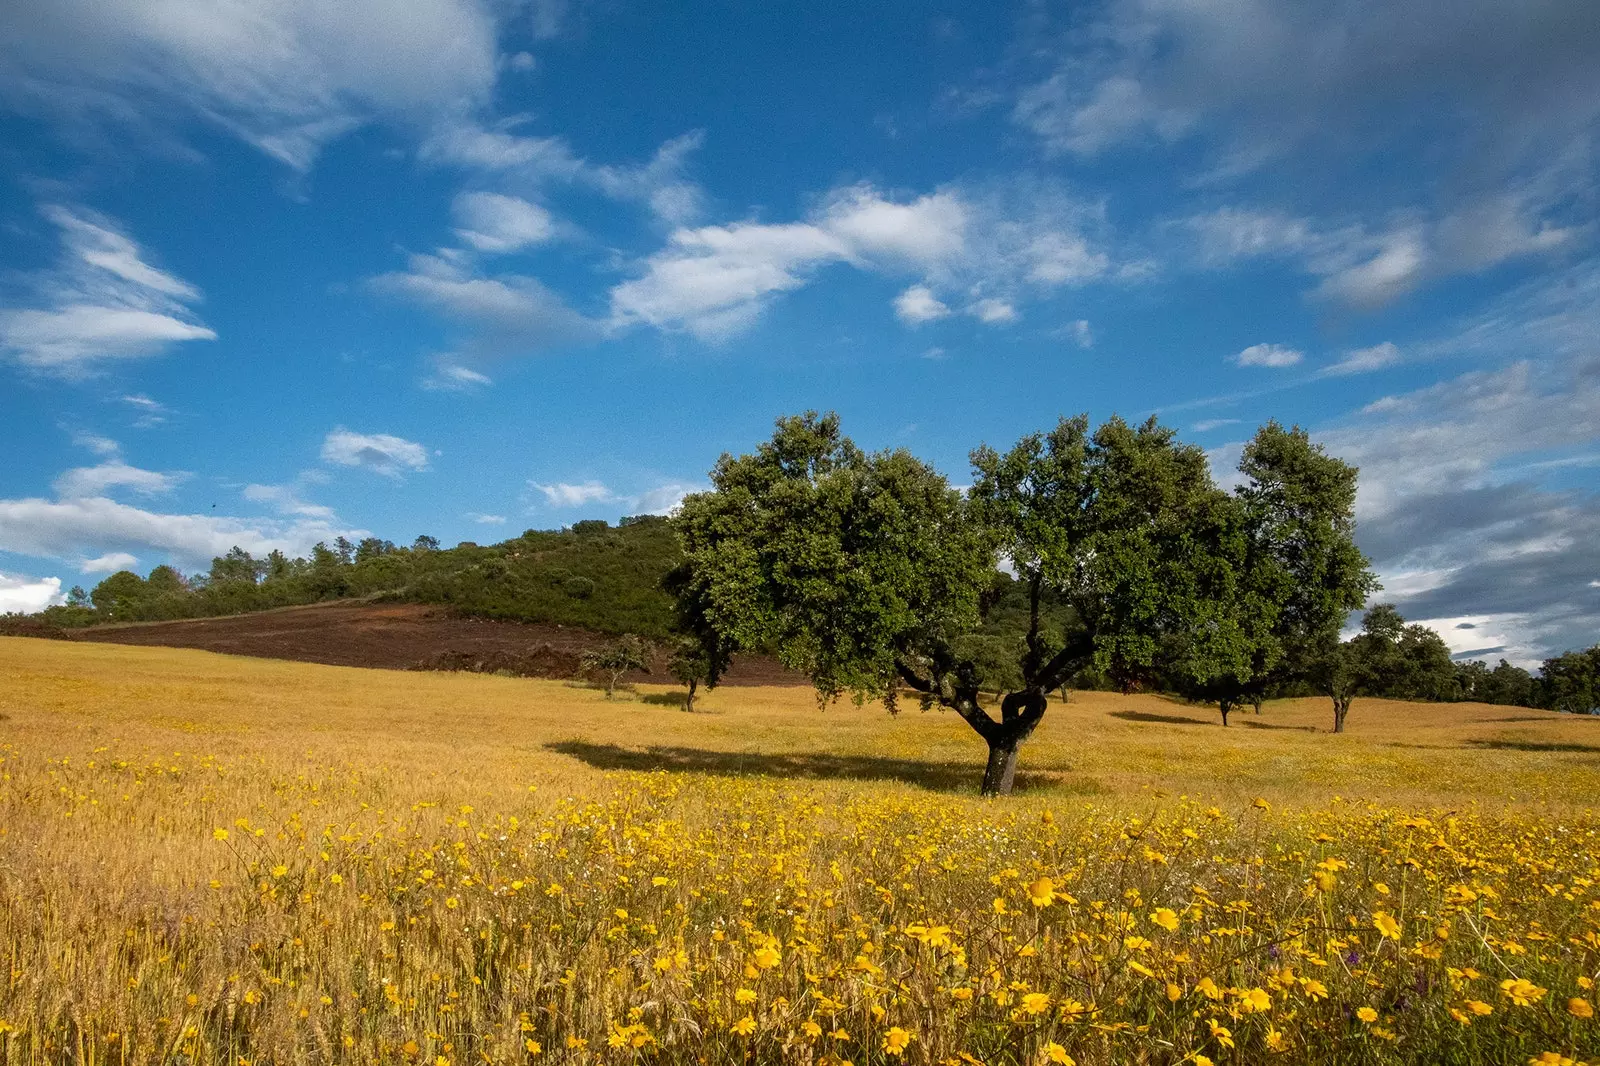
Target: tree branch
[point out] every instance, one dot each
(1066, 662)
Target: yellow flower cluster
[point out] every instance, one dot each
(285, 918)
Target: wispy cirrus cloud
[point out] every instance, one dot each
(286, 76)
(103, 302)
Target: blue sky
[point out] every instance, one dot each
(277, 271)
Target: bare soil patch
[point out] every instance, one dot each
(400, 636)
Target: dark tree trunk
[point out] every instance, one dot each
(688, 701)
(1019, 716)
(1256, 701)
(1001, 772)
(1341, 707)
(1226, 705)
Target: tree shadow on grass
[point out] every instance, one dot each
(1535, 745)
(1165, 719)
(936, 776)
(1250, 723)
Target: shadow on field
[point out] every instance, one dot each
(1250, 723)
(1168, 719)
(939, 777)
(1535, 745)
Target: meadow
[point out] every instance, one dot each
(208, 859)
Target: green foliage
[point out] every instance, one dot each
(595, 577)
(1572, 681)
(616, 659)
(840, 562)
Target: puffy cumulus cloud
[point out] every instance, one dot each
(918, 304)
(82, 528)
(381, 453)
(102, 302)
(286, 76)
(108, 563)
(994, 311)
(97, 480)
(1271, 355)
(493, 222)
(1366, 360)
(25, 595)
(562, 494)
(714, 281)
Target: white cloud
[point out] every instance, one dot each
(663, 499)
(378, 452)
(79, 528)
(286, 76)
(492, 222)
(99, 445)
(993, 311)
(109, 563)
(95, 480)
(151, 412)
(509, 314)
(102, 302)
(1395, 270)
(28, 595)
(1207, 425)
(917, 305)
(1365, 267)
(1085, 120)
(715, 281)
(925, 232)
(285, 499)
(453, 377)
(487, 519)
(1273, 355)
(660, 184)
(562, 494)
(1363, 360)
(1080, 332)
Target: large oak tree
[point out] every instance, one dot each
(870, 573)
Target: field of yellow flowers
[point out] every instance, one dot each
(215, 860)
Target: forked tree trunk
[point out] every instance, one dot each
(1256, 702)
(1341, 707)
(688, 701)
(1020, 714)
(1226, 705)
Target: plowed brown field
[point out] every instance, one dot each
(395, 636)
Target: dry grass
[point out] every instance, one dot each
(421, 867)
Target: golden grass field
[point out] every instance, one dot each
(225, 860)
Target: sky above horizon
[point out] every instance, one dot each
(277, 271)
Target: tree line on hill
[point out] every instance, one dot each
(594, 575)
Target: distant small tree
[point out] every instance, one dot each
(616, 659)
(77, 597)
(691, 666)
(425, 543)
(120, 596)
